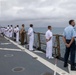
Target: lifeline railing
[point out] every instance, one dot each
(39, 42)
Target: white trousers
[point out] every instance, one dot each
(49, 49)
(7, 34)
(31, 42)
(10, 34)
(17, 37)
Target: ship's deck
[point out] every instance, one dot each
(17, 60)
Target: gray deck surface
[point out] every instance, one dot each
(22, 59)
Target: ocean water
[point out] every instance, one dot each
(55, 30)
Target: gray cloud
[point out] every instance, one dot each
(49, 11)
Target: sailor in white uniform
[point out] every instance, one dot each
(7, 31)
(49, 36)
(17, 34)
(31, 37)
(4, 31)
(11, 31)
(3, 28)
(0, 30)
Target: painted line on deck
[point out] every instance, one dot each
(40, 59)
(69, 68)
(71, 72)
(5, 43)
(10, 49)
(38, 51)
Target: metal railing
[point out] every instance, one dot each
(41, 41)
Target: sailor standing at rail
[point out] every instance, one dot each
(7, 31)
(14, 34)
(31, 37)
(69, 35)
(11, 31)
(4, 31)
(0, 30)
(49, 36)
(17, 34)
(22, 34)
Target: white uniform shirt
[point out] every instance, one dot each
(17, 30)
(48, 34)
(69, 32)
(30, 31)
(8, 29)
(11, 29)
(14, 30)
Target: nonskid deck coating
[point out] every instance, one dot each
(22, 59)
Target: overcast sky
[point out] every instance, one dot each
(39, 12)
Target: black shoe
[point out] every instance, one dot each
(65, 65)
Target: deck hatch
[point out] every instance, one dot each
(18, 69)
